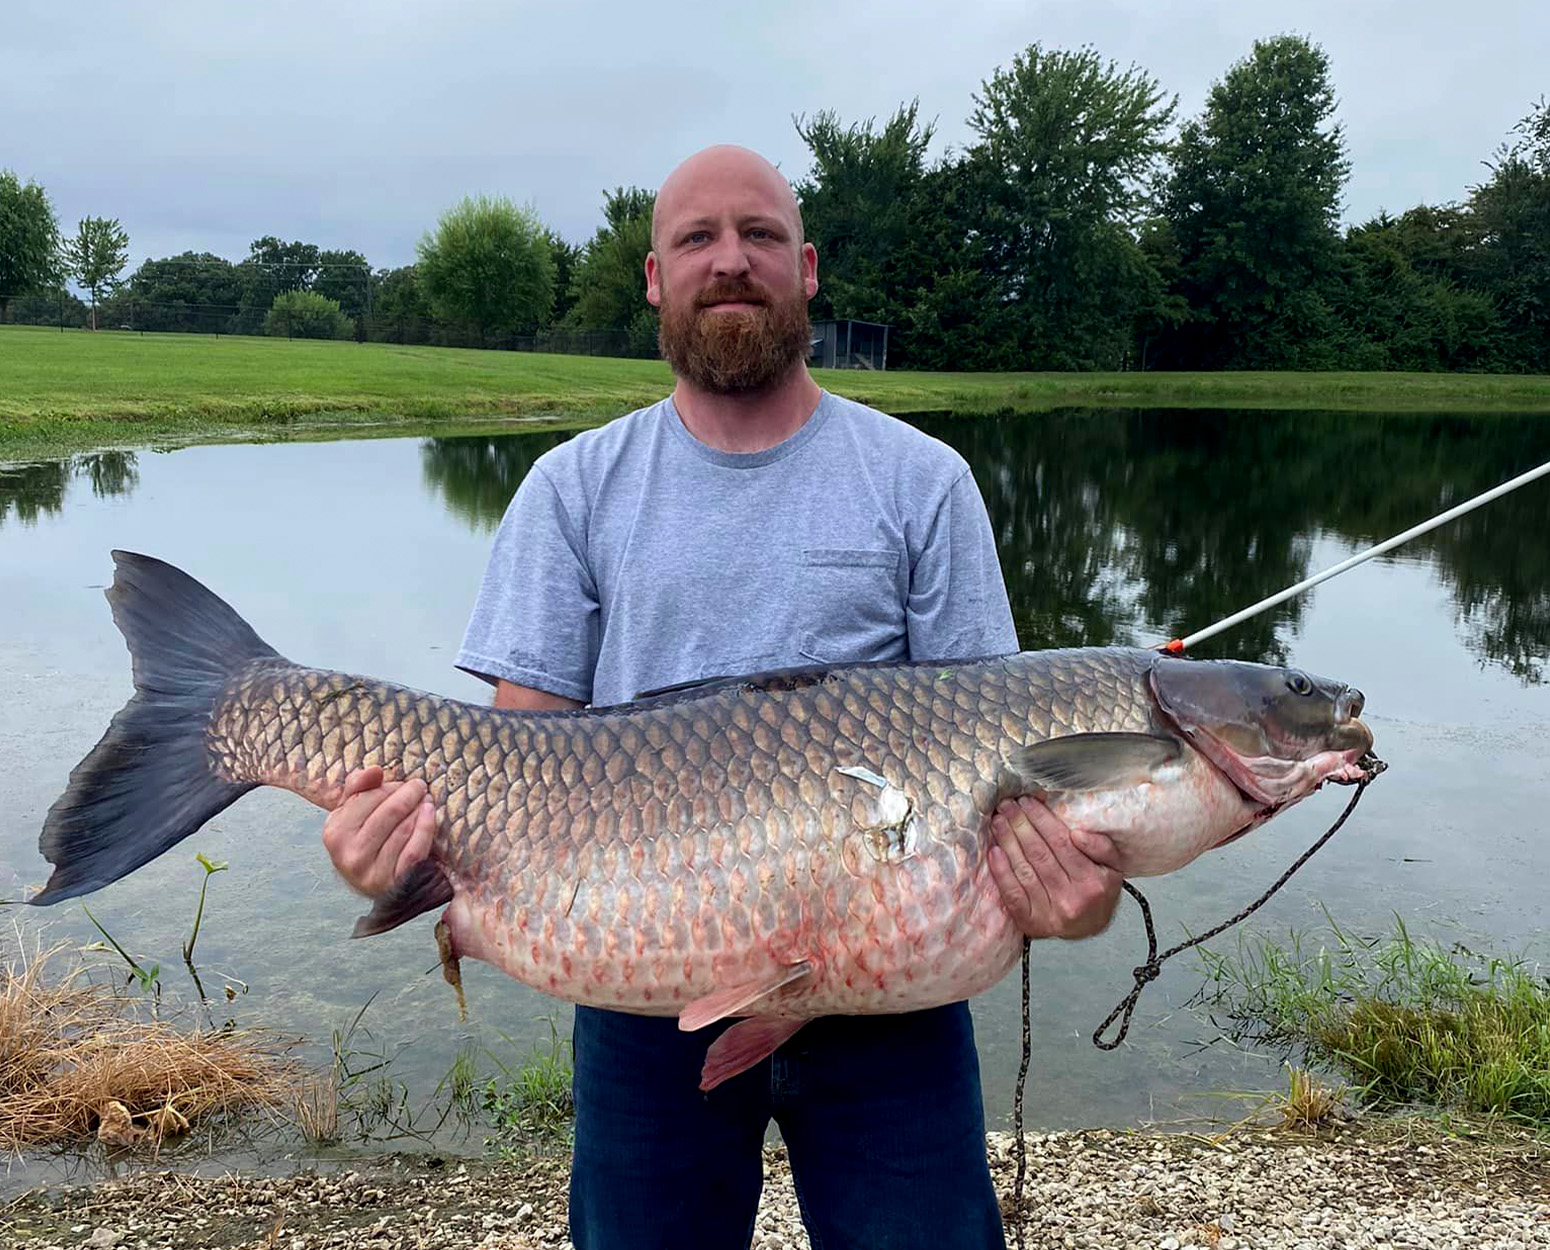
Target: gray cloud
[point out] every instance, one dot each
(203, 126)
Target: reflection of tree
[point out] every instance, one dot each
(1116, 526)
(1049, 485)
(1496, 561)
(1135, 526)
(1121, 527)
(35, 490)
(1219, 506)
(111, 472)
(478, 476)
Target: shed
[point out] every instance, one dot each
(846, 344)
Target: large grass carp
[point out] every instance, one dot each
(777, 847)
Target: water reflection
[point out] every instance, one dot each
(31, 491)
(1119, 527)
(478, 476)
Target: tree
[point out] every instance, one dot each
(953, 309)
(1397, 313)
(289, 266)
(343, 278)
(567, 258)
(1253, 201)
(861, 208)
(609, 287)
(271, 268)
(96, 256)
(1159, 307)
(1507, 250)
(1066, 154)
(489, 262)
(29, 239)
(307, 315)
(400, 313)
(193, 291)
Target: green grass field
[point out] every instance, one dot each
(65, 391)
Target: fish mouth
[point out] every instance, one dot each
(1343, 767)
(1278, 781)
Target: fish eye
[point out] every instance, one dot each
(1298, 683)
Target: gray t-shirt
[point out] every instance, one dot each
(634, 556)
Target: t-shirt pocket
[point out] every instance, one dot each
(851, 604)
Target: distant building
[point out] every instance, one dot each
(849, 345)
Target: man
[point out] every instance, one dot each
(751, 521)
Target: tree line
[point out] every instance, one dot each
(1079, 228)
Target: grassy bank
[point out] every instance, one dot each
(67, 391)
(1407, 1022)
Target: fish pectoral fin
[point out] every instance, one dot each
(743, 1045)
(731, 1001)
(1094, 761)
(424, 887)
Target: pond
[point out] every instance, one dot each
(1113, 527)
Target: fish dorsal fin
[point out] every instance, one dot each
(681, 687)
(773, 679)
(732, 1000)
(795, 677)
(1101, 761)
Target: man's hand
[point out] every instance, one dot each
(1055, 881)
(378, 832)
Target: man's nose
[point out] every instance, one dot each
(729, 257)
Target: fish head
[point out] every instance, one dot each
(1277, 733)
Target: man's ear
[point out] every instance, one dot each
(653, 281)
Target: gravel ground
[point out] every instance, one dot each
(1252, 1189)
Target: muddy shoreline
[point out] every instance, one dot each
(1361, 1185)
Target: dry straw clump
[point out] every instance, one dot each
(72, 1048)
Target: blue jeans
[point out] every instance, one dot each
(881, 1115)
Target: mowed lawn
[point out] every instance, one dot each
(73, 387)
(113, 374)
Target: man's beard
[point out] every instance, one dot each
(733, 353)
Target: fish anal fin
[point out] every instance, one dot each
(1099, 761)
(743, 1045)
(424, 887)
(732, 1000)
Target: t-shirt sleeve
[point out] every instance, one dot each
(958, 607)
(535, 620)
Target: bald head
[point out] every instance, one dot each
(716, 177)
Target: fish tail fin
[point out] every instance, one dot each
(151, 780)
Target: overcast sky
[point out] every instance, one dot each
(202, 126)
